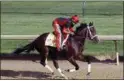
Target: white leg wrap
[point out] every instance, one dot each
(60, 71)
(46, 61)
(48, 67)
(72, 70)
(89, 68)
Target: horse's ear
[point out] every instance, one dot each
(90, 24)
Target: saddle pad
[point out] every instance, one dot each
(50, 40)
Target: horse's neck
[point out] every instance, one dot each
(78, 40)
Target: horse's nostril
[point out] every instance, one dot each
(96, 40)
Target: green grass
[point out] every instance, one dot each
(30, 18)
(40, 23)
(8, 46)
(64, 7)
(103, 48)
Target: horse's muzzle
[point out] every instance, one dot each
(96, 39)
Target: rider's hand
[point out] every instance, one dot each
(72, 33)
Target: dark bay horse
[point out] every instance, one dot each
(73, 48)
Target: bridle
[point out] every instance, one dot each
(88, 31)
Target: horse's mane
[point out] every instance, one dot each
(83, 25)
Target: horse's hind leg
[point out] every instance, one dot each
(53, 55)
(55, 62)
(45, 64)
(43, 60)
(48, 67)
(73, 62)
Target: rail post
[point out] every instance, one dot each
(83, 8)
(116, 51)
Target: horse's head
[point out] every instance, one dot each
(87, 31)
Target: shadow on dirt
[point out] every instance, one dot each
(27, 74)
(5, 56)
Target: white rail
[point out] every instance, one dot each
(101, 37)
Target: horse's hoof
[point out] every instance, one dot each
(88, 75)
(52, 73)
(67, 70)
(66, 78)
(71, 70)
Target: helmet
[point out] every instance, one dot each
(75, 19)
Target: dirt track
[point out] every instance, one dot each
(18, 69)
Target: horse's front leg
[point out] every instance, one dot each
(73, 62)
(87, 59)
(89, 65)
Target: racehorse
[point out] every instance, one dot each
(73, 48)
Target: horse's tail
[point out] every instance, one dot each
(27, 48)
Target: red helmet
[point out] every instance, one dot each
(75, 19)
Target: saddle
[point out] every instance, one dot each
(50, 40)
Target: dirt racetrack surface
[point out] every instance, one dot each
(25, 69)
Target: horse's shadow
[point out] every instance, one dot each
(27, 74)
